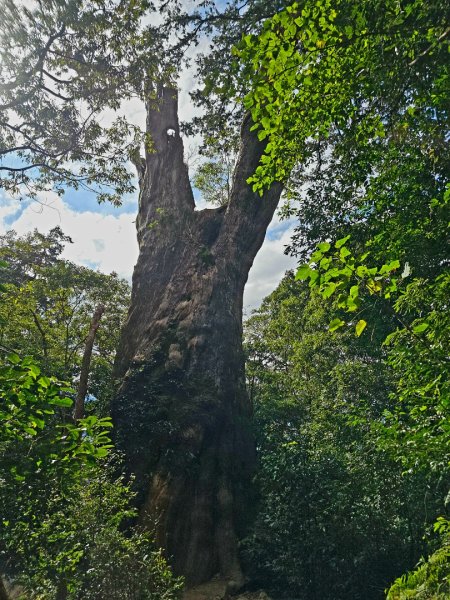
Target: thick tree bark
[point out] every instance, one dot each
(182, 414)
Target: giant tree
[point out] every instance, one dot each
(182, 410)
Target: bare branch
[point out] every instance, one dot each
(86, 363)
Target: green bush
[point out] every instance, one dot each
(429, 581)
(64, 509)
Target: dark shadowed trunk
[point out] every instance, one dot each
(182, 412)
(3, 593)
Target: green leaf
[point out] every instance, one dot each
(361, 270)
(248, 39)
(344, 252)
(316, 256)
(421, 327)
(101, 452)
(30, 430)
(360, 326)
(325, 263)
(329, 289)
(314, 278)
(40, 423)
(335, 324)
(392, 266)
(262, 134)
(44, 382)
(303, 272)
(63, 401)
(351, 304)
(341, 242)
(105, 422)
(34, 370)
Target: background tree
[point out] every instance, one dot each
(338, 517)
(213, 178)
(47, 307)
(370, 85)
(63, 506)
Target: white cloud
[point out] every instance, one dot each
(269, 266)
(107, 242)
(8, 207)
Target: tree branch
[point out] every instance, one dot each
(78, 412)
(425, 52)
(42, 332)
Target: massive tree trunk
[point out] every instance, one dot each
(182, 414)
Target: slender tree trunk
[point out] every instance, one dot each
(182, 414)
(78, 412)
(61, 590)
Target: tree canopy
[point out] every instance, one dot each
(63, 64)
(334, 501)
(352, 99)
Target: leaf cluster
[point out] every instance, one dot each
(323, 68)
(47, 307)
(338, 517)
(63, 64)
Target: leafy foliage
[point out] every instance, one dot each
(29, 403)
(334, 270)
(338, 517)
(63, 508)
(62, 65)
(324, 68)
(431, 579)
(417, 349)
(80, 545)
(418, 352)
(213, 179)
(39, 449)
(47, 306)
(351, 99)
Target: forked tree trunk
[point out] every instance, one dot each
(182, 414)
